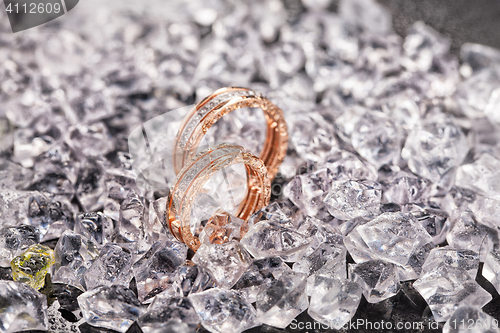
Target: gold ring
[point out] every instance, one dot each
(194, 175)
(212, 108)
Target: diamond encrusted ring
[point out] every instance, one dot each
(212, 108)
(198, 171)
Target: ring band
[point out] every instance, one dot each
(212, 108)
(194, 175)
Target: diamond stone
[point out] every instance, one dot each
(23, 308)
(268, 238)
(435, 146)
(334, 301)
(112, 266)
(445, 288)
(227, 262)
(378, 279)
(259, 275)
(113, 307)
(282, 300)
(350, 199)
(73, 256)
(447, 256)
(224, 311)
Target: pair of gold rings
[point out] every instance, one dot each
(194, 170)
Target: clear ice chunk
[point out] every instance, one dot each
(470, 319)
(405, 188)
(23, 308)
(378, 279)
(312, 137)
(96, 226)
(113, 266)
(376, 138)
(350, 199)
(435, 146)
(190, 278)
(155, 271)
(491, 268)
(345, 165)
(468, 233)
(268, 238)
(285, 298)
(481, 176)
(169, 314)
(224, 311)
(259, 275)
(14, 240)
(114, 307)
(334, 301)
(448, 256)
(307, 191)
(227, 262)
(434, 220)
(328, 260)
(445, 288)
(394, 237)
(73, 256)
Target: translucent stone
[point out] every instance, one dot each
(268, 238)
(32, 265)
(421, 46)
(13, 175)
(259, 275)
(279, 303)
(492, 106)
(480, 176)
(350, 199)
(328, 260)
(112, 266)
(23, 308)
(113, 307)
(434, 220)
(191, 278)
(470, 319)
(485, 209)
(307, 191)
(445, 288)
(227, 262)
(373, 18)
(154, 272)
(73, 256)
(119, 184)
(474, 93)
(311, 136)
(91, 185)
(477, 57)
(468, 233)
(334, 301)
(376, 138)
(222, 228)
(394, 237)
(281, 61)
(51, 217)
(175, 314)
(280, 212)
(448, 256)
(491, 268)
(204, 206)
(378, 279)
(435, 147)
(90, 140)
(132, 219)
(405, 188)
(96, 226)
(224, 311)
(14, 240)
(345, 165)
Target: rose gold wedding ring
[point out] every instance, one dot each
(198, 171)
(208, 111)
